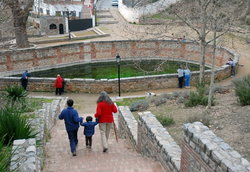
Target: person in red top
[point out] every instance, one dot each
(58, 84)
(104, 112)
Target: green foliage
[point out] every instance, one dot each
(5, 152)
(165, 120)
(14, 126)
(129, 101)
(139, 105)
(199, 97)
(242, 90)
(33, 104)
(15, 95)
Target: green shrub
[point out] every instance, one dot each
(199, 97)
(14, 126)
(165, 120)
(242, 90)
(5, 152)
(139, 105)
(129, 101)
(196, 99)
(15, 95)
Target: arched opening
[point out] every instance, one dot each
(52, 26)
(61, 30)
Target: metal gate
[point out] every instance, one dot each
(80, 24)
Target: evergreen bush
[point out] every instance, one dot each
(15, 95)
(5, 152)
(13, 126)
(199, 97)
(165, 120)
(242, 90)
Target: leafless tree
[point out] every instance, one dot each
(20, 11)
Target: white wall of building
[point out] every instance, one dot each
(39, 4)
(134, 14)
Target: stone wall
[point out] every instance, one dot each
(127, 125)
(202, 150)
(27, 155)
(133, 14)
(155, 142)
(39, 59)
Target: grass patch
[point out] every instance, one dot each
(165, 120)
(86, 33)
(35, 103)
(129, 101)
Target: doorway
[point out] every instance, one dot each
(61, 30)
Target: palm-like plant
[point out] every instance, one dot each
(5, 152)
(15, 94)
(14, 126)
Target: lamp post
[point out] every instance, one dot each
(118, 60)
(68, 23)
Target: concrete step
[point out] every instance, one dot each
(106, 21)
(104, 16)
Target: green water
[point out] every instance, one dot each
(108, 70)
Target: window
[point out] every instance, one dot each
(52, 26)
(58, 13)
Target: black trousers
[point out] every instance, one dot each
(180, 81)
(88, 140)
(58, 91)
(24, 83)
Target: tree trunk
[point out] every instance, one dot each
(20, 19)
(203, 43)
(210, 95)
(202, 61)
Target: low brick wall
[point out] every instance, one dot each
(39, 59)
(202, 150)
(110, 85)
(27, 156)
(127, 125)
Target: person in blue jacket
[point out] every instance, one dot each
(24, 79)
(89, 130)
(71, 120)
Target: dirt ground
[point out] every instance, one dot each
(227, 119)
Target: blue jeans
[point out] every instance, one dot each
(187, 80)
(73, 139)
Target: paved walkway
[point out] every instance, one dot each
(120, 157)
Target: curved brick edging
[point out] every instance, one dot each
(38, 59)
(27, 155)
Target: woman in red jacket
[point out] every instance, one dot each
(104, 113)
(58, 84)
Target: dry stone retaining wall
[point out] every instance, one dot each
(27, 155)
(127, 125)
(201, 151)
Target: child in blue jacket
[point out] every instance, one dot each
(89, 130)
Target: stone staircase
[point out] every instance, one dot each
(105, 17)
